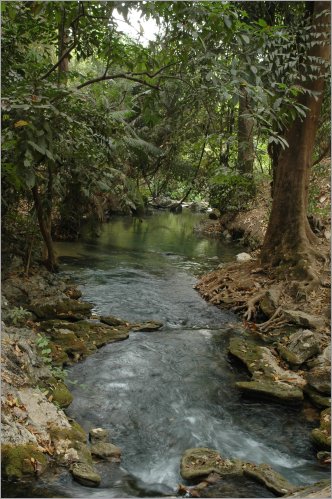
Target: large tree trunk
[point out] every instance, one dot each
(245, 136)
(289, 237)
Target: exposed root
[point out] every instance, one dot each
(251, 305)
(277, 320)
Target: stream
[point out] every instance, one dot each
(161, 393)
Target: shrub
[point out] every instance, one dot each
(232, 192)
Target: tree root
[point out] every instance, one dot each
(277, 320)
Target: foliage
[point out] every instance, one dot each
(45, 350)
(231, 192)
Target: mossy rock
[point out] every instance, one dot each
(111, 320)
(322, 435)
(85, 475)
(74, 434)
(61, 395)
(107, 451)
(78, 428)
(272, 390)
(248, 352)
(317, 398)
(59, 356)
(22, 460)
(263, 473)
(147, 327)
(64, 309)
(201, 461)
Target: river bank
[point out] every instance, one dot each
(45, 328)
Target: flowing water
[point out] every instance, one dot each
(161, 393)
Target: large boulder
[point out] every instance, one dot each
(299, 347)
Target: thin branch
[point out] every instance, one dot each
(153, 75)
(64, 55)
(126, 76)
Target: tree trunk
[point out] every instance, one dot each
(245, 136)
(62, 47)
(45, 229)
(289, 237)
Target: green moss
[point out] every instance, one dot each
(61, 395)
(77, 427)
(74, 434)
(322, 435)
(21, 460)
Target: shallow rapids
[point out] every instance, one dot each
(161, 393)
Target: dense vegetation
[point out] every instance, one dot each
(94, 121)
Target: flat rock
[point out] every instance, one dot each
(201, 461)
(84, 474)
(319, 490)
(261, 362)
(148, 326)
(303, 319)
(263, 473)
(111, 320)
(105, 450)
(62, 309)
(299, 347)
(272, 390)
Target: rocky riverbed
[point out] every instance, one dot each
(47, 328)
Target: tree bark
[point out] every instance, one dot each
(289, 237)
(245, 136)
(45, 229)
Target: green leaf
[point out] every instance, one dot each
(228, 22)
(37, 147)
(262, 23)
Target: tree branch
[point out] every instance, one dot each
(126, 76)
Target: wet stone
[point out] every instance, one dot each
(148, 326)
(105, 450)
(84, 474)
(266, 475)
(201, 461)
(270, 390)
